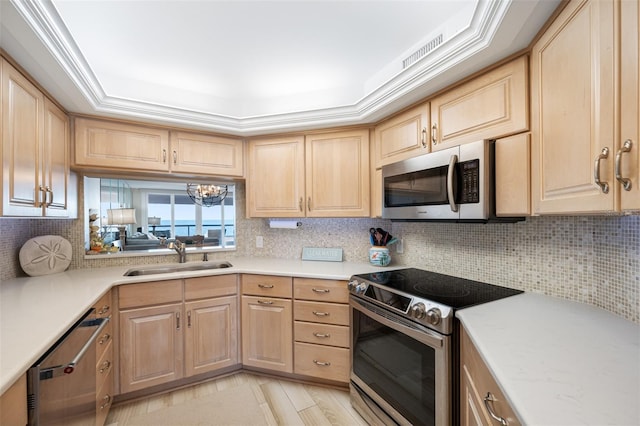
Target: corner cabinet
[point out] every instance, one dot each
(36, 179)
(319, 175)
(585, 153)
(492, 105)
(481, 400)
(112, 145)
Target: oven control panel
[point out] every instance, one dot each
(422, 311)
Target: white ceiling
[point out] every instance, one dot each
(257, 67)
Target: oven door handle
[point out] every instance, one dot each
(452, 166)
(417, 332)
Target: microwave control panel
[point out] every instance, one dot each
(470, 171)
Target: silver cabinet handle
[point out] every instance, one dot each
(320, 314)
(322, 335)
(104, 310)
(320, 290)
(265, 302)
(489, 407)
(300, 204)
(188, 319)
(321, 363)
(104, 339)
(626, 182)
(424, 137)
(265, 285)
(164, 155)
(434, 134)
(175, 157)
(48, 196)
(604, 186)
(450, 194)
(105, 367)
(309, 204)
(107, 401)
(177, 320)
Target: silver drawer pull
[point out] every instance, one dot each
(625, 182)
(104, 310)
(321, 314)
(107, 402)
(322, 335)
(320, 290)
(104, 339)
(604, 186)
(105, 367)
(489, 407)
(321, 363)
(265, 285)
(265, 302)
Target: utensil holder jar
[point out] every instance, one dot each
(379, 256)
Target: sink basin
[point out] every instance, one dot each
(159, 269)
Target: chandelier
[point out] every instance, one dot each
(206, 195)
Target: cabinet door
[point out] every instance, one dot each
(150, 347)
(573, 99)
(112, 145)
(275, 181)
(211, 155)
(13, 404)
(492, 105)
(403, 136)
(211, 336)
(630, 105)
(267, 336)
(55, 166)
(22, 132)
(513, 176)
(337, 174)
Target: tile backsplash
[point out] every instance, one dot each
(594, 260)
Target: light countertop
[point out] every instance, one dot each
(559, 362)
(36, 311)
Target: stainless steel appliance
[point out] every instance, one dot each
(405, 343)
(453, 184)
(61, 386)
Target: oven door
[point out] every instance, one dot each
(401, 371)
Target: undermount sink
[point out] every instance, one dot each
(159, 269)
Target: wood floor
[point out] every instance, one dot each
(281, 402)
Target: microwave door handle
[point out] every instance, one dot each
(452, 201)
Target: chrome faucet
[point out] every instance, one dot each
(181, 249)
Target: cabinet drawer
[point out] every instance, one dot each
(324, 362)
(322, 334)
(208, 287)
(103, 306)
(327, 313)
(104, 339)
(104, 399)
(148, 294)
(321, 290)
(104, 366)
(266, 285)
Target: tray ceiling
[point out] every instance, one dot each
(257, 67)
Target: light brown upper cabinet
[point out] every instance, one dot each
(36, 179)
(120, 146)
(493, 105)
(577, 146)
(404, 136)
(320, 175)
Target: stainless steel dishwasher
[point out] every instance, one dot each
(61, 385)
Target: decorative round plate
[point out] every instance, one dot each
(44, 255)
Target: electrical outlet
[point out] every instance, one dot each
(400, 246)
(259, 241)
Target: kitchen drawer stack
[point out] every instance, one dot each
(104, 361)
(321, 329)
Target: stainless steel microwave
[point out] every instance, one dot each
(456, 183)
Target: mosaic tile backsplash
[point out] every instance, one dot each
(595, 260)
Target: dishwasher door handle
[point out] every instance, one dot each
(50, 373)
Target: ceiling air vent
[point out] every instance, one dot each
(418, 54)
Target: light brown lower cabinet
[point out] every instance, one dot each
(104, 360)
(192, 328)
(481, 400)
(13, 404)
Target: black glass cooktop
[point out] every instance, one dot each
(455, 292)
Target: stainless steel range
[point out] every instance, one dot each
(405, 343)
